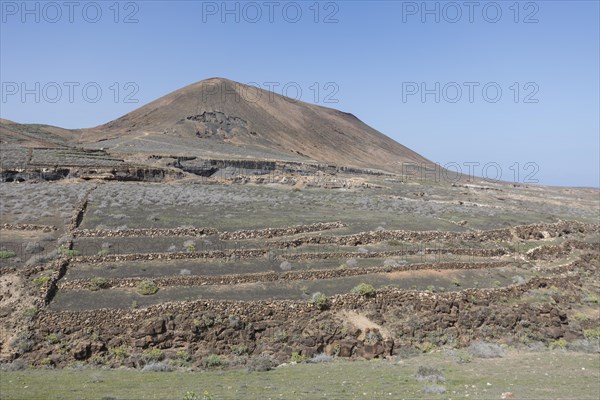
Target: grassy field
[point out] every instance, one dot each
(539, 375)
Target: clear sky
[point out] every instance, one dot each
(428, 74)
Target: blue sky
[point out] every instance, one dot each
(372, 59)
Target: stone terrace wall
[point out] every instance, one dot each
(280, 327)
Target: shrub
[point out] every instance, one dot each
(214, 361)
(430, 374)
(157, 367)
(426, 347)
(394, 242)
(152, 355)
(320, 300)
(41, 280)
(260, 364)
(351, 262)
(434, 389)
(183, 355)
(560, 344)
(285, 266)
(24, 341)
(65, 251)
(373, 337)
(321, 358)
(52, 338)
(592, 334)
(30, 312)
(7, 254)
(98, 283)
(364, 289)
(297, 358)
(16, 365)
(118, 352)
(481, 349)
(47, 362)
(280, 336)
(239, 349)
(147, 287)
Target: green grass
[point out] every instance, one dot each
(542, 375)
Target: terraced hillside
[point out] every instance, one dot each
(107, 272)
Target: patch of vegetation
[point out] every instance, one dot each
(320, 300)
(152, 355)
(65, 251)
(147, 287)
(430, 374)
(239, 349)
(41, 280)
(260, 364)
(297, 358)
(364, 289)
(559, 344)
(592, 334)
(47, 362)
(97, 283)
(427, 347)
(118, 352)
(194, 396)
(321, 358)
(481, 349)
(30, 312)
(157, 367)
(280, 337)
(183, 356)
(214, 361)
(7, 254)
(52, 338)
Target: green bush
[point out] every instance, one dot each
(30, 312)
(147, 287)
(152, 355)
(558, 344)
(68, 252)
(592, 334)
(118, 352)
(183, 355)
(52, 338)
(98, 283)
(239, 349)
(280, 336)
(260, 364)
(41, 280)
(7, 254)
(214, 361)
(297, 358)
(320, 300)
(364, 289)
(46, 362)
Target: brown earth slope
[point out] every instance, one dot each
(244, 120)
